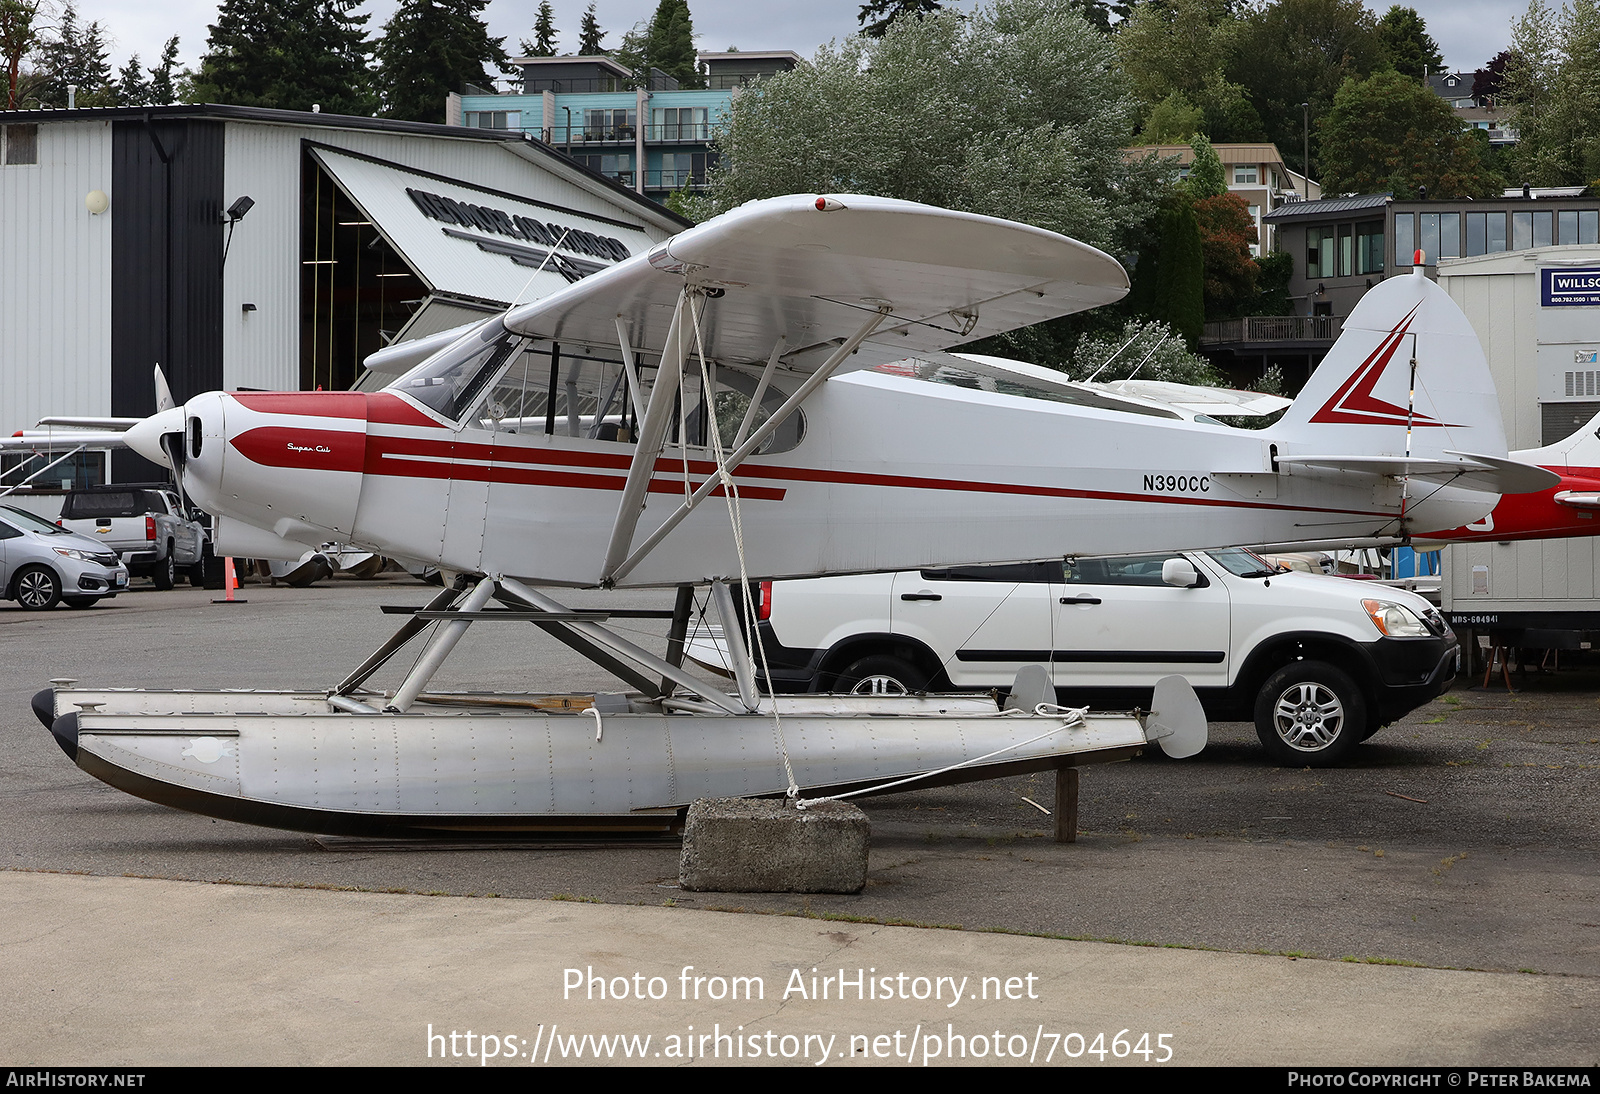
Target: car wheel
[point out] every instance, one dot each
(881, 674)
(1310, 714)
(38, 588)
(166, 571)
(80, 601)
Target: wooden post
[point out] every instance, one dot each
(1066, 804)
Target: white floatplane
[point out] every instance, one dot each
(766, 395)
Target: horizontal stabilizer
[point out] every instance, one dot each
(90, 423)
(1493, 473)
(1579, 499)
(63, 440)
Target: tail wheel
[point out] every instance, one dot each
(881, 674)
(1310, 714)
(38, 588)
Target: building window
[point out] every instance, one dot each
(1405, 238)
(618, 167)
(494, 119)
(1245, 175)
(1589, 226)
(681, 123)
(1369, 248)
(21, 144)
(609, 125)
(82, 471)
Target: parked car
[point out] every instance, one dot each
(42, 565)
(1318, 663)
(145, 525)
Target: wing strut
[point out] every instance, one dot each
(766, 429)
(652, 431)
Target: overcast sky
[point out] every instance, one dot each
(1469, 32)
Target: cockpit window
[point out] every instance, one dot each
(451, 379)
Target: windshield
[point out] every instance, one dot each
(451, 379)
(32, 522)
(1243, 563)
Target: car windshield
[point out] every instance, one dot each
(32, 522)
(1243, 563)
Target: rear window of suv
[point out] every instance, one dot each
(112, 503)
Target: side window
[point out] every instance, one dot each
(1008, 572)
(1131, 570)
(8, 532)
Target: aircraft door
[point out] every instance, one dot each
(1117, 625)
(985, 622)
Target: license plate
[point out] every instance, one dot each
(119, 580)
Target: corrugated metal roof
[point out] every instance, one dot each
(226, 112)
(1294, 210)
(1227, 153)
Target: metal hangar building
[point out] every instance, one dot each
(273, 249)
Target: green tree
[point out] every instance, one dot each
(1169, 275)
(1390, 132)
(1301, 51)
(1144, 348)
(669, 43)
(1410, 49)
(163, 92)
(133, 88)
(430, 48)
(590, 36)
(544, 33)
(1172, 121)
(1017, 111)
(1551, 94)
(878, 15)
(1183, 47)
(1206, 175)
(76, 57)
(288, 54)
(19, 34)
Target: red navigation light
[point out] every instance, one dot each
(1419, 259)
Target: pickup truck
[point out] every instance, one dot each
(1318, 663)
(146, 526)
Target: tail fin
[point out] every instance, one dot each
(1577, 453)
(1359, 401)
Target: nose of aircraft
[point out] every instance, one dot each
(145, 438)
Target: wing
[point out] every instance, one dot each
(811, 270)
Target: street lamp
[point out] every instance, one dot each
(1306, 162)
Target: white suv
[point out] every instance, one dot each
(1319, 663)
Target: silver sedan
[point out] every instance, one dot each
(42, 565)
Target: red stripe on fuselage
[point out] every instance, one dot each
(308, 449)
(386, 455)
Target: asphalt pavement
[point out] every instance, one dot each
(1433, 903)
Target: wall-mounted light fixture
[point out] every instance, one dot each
(248, 308)
(96, 202)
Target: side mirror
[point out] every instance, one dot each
(1179, 572)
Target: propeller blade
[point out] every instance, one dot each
(164, 400)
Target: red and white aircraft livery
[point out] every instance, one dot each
(571, 441)
(786, 357)
(1565, 509)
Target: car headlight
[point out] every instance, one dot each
(69, 552)
(1394, 620)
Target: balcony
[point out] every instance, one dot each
(1281, 330)
(591, 135)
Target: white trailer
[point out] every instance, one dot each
(1537, 314)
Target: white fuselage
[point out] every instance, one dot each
(891, 474)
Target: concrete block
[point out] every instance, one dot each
(740, 845)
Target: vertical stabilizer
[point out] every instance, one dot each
(1359, 401)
